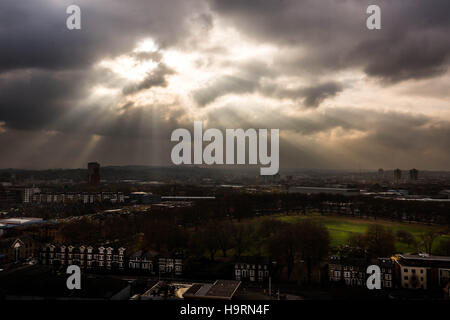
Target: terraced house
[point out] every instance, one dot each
(112, 258)
(88, 257)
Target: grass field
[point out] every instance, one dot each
(341, 228)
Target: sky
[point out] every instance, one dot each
(342, 96)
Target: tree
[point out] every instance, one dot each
(377, 241)
(224, 240)
(283, 247)
(307, 241)
(357, 240)
(82, 231)
(240, 236)
(266, 229)
(313, 243)
(444, 247)
(163, 235)
(380, 241)
(428, 240)
(406, 237)
(269, 227)
(209, 239)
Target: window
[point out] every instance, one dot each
(405, 278)
(405, 270)
(413, 270)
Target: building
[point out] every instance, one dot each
(352, 271)
(72, 197)
(18, 249)
(87, 257)
(253, 269)
(143, 261)
(414, 174)
(397, 175)
(10, 196)
(17, 222)
(162, 290)
(380, 174)
(94, 174)
(143, 198)
(316, 190)
(171, 265)
(28, 194)
(112, 258)
(387, 272)
(8, 226)
(219, 290)
(423, 271)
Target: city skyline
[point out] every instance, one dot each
(343, 96)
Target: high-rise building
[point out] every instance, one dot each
(397, 175)
(380, 173)
(94, 174)
(414, 174)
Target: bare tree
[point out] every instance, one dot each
(428, 240)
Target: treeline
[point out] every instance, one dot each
(288, 244)
(241, 206)
(200, 233)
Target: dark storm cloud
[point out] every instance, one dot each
(360, 134)
(312, 96)
(249, 80)
(412, 44)
(45, 69)
(416, 56)
(156, 78)
(369, 122)
(33, 33)
(33, 99)
(224, 85)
